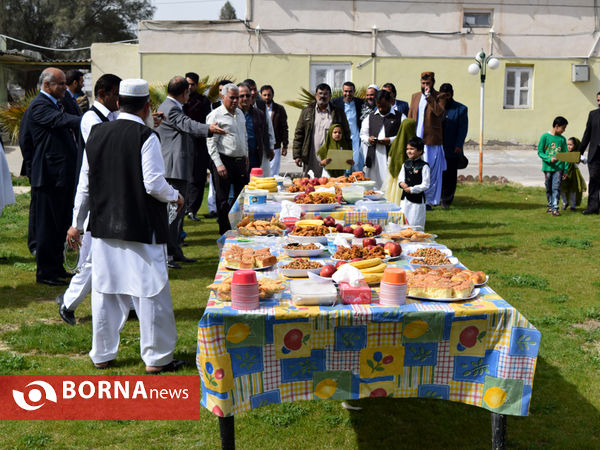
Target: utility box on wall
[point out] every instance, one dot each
(580, 72)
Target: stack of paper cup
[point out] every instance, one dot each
(392, 289)
(244, 290)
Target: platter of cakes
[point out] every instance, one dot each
(237, 257)
(443, 285)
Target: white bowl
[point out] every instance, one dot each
(453, 263)
(307, 239)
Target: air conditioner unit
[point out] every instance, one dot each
(580, 72)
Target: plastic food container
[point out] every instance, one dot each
(331, 246)
(352, 194)
(354, 295)
(257, 196)
(244, 290)
(394, 275)
(309, 292)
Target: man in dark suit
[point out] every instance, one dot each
(26, 146)
(176, 131)
(258, 103)
(399, 105)
(196, 108)
(456, 124)
(53, 173)
(256, 128)
(74, 90)
(278, 116)
(352, 107)
(591, 137)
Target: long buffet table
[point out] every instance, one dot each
(481, 352)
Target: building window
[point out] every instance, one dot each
(476, 19)
(334, 74)
(517, 87)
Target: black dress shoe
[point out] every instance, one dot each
(173, 265)
(210, 215)
(66, 315)
(184, 259)
(589, 211)
(193, 217)
(173, 366)
(428, 208)
(52, 281)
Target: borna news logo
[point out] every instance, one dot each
(35, 396)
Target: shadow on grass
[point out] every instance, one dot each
(486, 249)
(429, 423)
(194, 314)
(474, 225)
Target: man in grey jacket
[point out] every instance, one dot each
(176, 132)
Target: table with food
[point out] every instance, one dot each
(324, 309)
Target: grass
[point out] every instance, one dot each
(547, 267)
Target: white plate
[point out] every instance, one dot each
(307, 239)
(453, 262)
(445, 251)
(254, 268)
(296, 273)
(378, 195)
(409, 247)
(403, 240)
(304, 253)
(311, 207)
(487, 277)
(474, 294)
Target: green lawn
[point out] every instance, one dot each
(547, 267)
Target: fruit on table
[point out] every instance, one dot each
(323, 180)
(314, 181)
(327, 271)
(339, 263)
(347, 229)
(329, 221)
(415, 329)
(378, 229)
(309, 189)
(372, 278)
(359, 232)
(309, 222)
(304, 181)
(393, 249)
(365, 263)
(375, 269)
(369, 241)
(293, 339)
(326, 388)
(339, 227)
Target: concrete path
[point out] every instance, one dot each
(516, 164)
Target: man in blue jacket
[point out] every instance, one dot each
(456, 124)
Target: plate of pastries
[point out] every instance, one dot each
(237, 257)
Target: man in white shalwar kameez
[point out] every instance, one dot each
(122, 184)
(377, 133)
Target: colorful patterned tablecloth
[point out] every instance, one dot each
(480, 352)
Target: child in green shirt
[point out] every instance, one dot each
(550, 144)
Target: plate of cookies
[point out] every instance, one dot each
(237, 257)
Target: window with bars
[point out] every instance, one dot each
(517, 87)
(334, 74)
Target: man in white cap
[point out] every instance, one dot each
(122, 184)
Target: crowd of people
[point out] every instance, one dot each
(101, 175)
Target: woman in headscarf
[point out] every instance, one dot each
(408, 130)
(335, 140)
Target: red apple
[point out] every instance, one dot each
(304, 181)
(359, 223)
(339, 227)
(329, 221)
(309, 189)
(327, 271)
(339, 263)
(378, 229)
(369, 241)
(299, 196)
(359, 232)
(323, 180)
(356, 259)
(314, 181)
(393, 249)
(318, 217)
(347, 229)
(381, 244)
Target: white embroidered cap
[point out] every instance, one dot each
(134, 87)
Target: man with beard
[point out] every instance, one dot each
(352, 107)
(427, 108)
(397, 105)
(456, 125)
(276, 113)
(312, 127)
(259, 104)
(378, 131)
(123, 187)
(256, 128)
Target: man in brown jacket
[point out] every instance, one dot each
(427, 109)
(312, 127)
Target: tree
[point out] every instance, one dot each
(59, 24)
(227, 12)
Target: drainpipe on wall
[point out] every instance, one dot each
(248, 18)
(373, 54)
(257, 33)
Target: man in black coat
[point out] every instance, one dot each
(53, 173)
(352, 107)
(256, 126)
(591, 137)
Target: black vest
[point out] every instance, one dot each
(391, 125)
(120, 208)
(413, 176)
